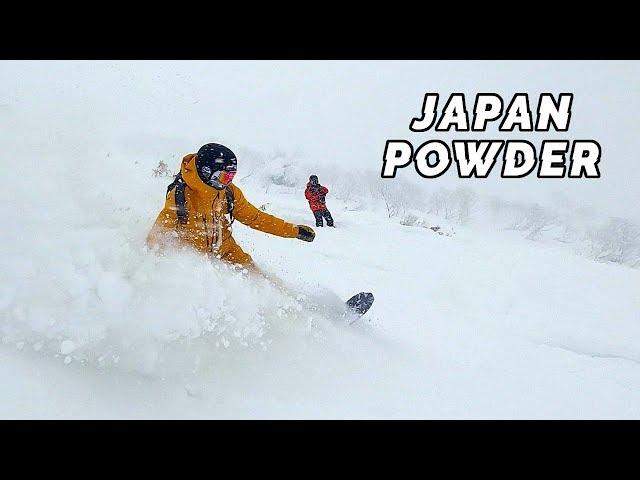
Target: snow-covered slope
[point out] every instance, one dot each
(474, 324)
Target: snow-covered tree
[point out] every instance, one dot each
(618, 241)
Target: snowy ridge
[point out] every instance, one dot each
(558, 220)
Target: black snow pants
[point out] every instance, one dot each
(323, 213)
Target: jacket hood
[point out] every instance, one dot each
(191, 177)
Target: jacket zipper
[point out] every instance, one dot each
(206, 230)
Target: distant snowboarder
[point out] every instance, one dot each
(198, 200)
(315, 194)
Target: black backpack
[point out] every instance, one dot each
(181, 201)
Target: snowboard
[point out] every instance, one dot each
(359, 304)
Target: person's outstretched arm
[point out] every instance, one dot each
(251, 216)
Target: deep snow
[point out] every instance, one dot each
(475, 324)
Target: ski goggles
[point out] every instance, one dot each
(225, 177)
(221, 178)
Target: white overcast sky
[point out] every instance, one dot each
(332, 111)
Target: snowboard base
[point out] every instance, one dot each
(360, 303)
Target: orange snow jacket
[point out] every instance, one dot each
(207, 229)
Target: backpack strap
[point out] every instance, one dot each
(181, 201)
(231, 203)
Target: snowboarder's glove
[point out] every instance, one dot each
(306, 233)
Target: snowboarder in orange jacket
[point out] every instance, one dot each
(198, 200)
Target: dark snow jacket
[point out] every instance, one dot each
(315, 195)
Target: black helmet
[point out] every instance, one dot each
(313, 179)
(216, 165)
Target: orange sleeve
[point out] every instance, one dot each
(249, 215)
(165, 222)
